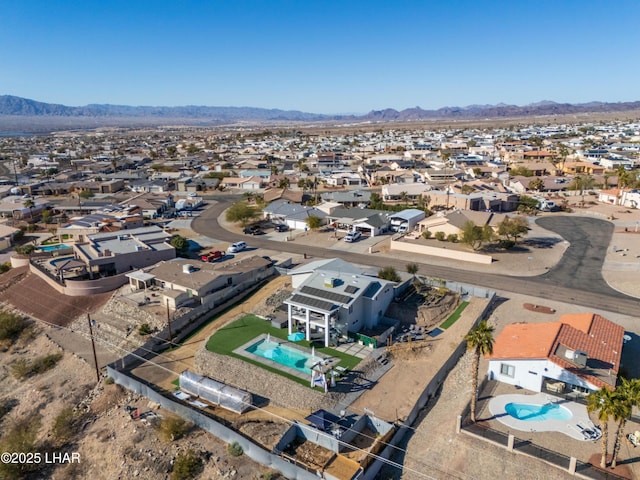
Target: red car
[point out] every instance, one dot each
(212, 256)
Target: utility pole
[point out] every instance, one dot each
(169, 322)
(93, 346)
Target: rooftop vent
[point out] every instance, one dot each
(187, 268)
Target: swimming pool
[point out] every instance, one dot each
(53, 248)
(284, 355)
(529, 412)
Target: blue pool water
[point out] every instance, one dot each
(535, 413)
(284, 355)
(53, 248)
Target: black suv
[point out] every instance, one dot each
(251, 230)
(281, 227)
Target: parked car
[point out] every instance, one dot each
(281, 227)
(212, 256)
(237, 247)
(257, 232)
(251, 229)
(353, 236)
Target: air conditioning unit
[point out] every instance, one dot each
(330, 282)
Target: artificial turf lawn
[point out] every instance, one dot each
(454, 316)
(227, 339)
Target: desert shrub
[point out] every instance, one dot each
(11, 326)
(65, 425)
(235, 449)
(5, 267)
(389, 273)
(20, 436)
(426, 234)
(23, 368)
(452, 237)
(108, 381)
(440, 236)
(144, 329)
(186, 465)
(506, 244)
(172, 428)
(46, 362)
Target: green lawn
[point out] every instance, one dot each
(454, 316)
(227, 339)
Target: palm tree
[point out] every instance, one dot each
(602, 402)
(28, 203)
(563, 151)
(627, 395)
(480, 340)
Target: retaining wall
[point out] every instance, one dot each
(440, 252)
(252, 450)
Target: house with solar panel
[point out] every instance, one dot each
(333, 298)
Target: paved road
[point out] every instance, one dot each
(576, 279)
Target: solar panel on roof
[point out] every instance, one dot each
(312, 302)
(351, 289)
(316, 292)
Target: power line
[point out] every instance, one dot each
(162, 355)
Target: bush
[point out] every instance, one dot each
(5, 267)
(186, 465)
(18, 236)
(11, 326)
(108, 381)
(440, 236)
(47, 362)
(25, 250)
(234, 449)
(452, 237)
(20, 436)
(23, 368)
(65, 425)
(426, 234)
(144, 329)
(173, 428)
(389, 273)
(506, 244)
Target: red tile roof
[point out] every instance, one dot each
(599, 338)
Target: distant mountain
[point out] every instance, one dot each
(499, 111)
(10, 105)
(18, 110)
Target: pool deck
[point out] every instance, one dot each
(242, 351)
(567, 427)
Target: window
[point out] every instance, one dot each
(508, 370)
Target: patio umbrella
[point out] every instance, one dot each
(296, 337)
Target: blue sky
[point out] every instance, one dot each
(345, 56)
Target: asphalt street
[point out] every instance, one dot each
(575, 279)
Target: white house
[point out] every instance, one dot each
(579, 353)
(335, 296)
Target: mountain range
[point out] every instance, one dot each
(15, 107)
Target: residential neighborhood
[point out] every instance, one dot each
(327, 287)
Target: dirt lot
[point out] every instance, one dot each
(110, 444)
